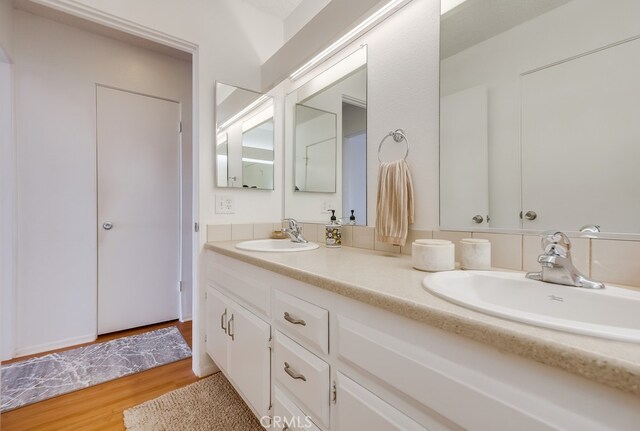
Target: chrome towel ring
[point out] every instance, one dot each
(398, 136)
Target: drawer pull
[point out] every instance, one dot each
(294, 375)
(293, 320)
(229, 332)
(223, 317)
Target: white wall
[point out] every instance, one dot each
(56, 70)
(571, 29)
(7, 182)
(232, 41)
(402, 92)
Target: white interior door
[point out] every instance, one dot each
(138, 144)
(464, 163)
(581, 142)
(320, 158)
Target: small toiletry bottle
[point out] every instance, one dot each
(332, 234)
(352, 218)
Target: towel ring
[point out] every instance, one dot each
(398, 136)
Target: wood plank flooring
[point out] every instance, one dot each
(100, 407)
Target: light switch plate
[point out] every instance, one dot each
(224, 204)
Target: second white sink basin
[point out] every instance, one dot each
(612, 313)
(275, 245)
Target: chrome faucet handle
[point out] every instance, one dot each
(556, 263)
(554, 240)
(293, 224)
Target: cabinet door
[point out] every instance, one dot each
(359, 409)
(218, 313)
(249, 357)
(287, 416)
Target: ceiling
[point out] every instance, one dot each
(278, 8)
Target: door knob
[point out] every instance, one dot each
(478, 219)
(530, 215)
(107, 225)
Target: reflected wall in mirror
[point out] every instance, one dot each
(326, 144)
(244, 143)
(539, 115)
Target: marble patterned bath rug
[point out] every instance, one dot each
(47, 376)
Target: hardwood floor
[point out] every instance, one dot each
(100, 407)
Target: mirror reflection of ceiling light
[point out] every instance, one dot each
(264, 162)
(258, 118)
(255, 103)
(348, 37)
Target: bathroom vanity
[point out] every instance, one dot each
(349, 340)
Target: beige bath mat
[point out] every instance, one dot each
(209, 404)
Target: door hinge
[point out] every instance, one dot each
(270, 343)
(196, 227)
(180, 286)
(334, 393)
(180, 127)
(205, 338)
(205, 295)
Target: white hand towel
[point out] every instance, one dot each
(394, 206)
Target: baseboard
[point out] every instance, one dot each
(186, 318)
(207, 371)
(60, 344)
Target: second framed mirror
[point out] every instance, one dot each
(326, 144)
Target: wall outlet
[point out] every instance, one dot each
(224, 204)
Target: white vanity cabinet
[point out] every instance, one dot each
(342, 365)
(239, 343)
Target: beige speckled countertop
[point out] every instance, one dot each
(389, 282)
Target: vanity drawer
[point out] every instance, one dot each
(243, 282)
(302, 321)
(288, 416)
(304, 375)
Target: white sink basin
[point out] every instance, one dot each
(275, 245)
(612, 313)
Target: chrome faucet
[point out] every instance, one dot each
(294, 231)
(557, 266)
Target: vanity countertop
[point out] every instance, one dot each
(388, 281)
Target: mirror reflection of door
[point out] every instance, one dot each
(464, 164)
(562, 108)
(315, 141)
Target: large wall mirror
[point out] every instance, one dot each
(326, 144)
(244, 139)
(539, 115)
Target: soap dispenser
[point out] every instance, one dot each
(352, 218)
(332, 233)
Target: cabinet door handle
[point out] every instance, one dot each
(293, 374)
(229, 327)
(293, 320)
(223, 317)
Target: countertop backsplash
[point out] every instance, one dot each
(608, 260)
